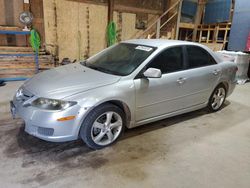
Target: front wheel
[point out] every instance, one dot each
(102, 126)
(217, 98)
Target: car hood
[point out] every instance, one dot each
(67, 80)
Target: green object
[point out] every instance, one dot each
(35, 40)
(111, 33)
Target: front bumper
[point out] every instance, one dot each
(44, 125)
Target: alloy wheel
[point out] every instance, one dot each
(218, 98)
(106, 128)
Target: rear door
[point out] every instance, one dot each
(202, 74)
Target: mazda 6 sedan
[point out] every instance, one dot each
(126, 85)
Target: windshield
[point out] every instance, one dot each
(121, 59)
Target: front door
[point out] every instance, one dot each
(158, 96)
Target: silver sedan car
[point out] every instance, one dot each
(126, 85)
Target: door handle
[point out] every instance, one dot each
(216, 72)
(181, 80)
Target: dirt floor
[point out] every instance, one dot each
(191, 151)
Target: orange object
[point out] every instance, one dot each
(66, 118)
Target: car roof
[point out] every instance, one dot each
(159, 43)
(163, 43)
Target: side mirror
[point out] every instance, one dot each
(152, 73)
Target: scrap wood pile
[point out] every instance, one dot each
(13, 66)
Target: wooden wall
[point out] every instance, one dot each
(36, 7)
(9, 16)
(9, 12)
(74, 30)
(77, 29)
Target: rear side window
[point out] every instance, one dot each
(198, 57)
(170, 60)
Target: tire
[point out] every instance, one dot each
(103, 126)
(217, 98)
(2, 83)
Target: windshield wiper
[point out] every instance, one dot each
(84, 63)
(99, 69)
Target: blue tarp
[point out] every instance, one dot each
(240, 26)
(189, 8)
(217, 11)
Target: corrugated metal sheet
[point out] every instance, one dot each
(240, 26)
(217, 11)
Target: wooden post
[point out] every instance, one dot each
(166, 4)
(178, 20)
(158, 29)
(215, 38)
(200, 35)
(208, 34)
(26, 5)
(110, 10)
(198, 17)
(225, 35)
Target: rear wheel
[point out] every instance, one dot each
(217, 98)
(102, 126)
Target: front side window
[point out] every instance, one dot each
(170, 60)
(198, 57)
(121, 59)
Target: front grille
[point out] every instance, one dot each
(45, 131)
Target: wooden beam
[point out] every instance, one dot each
(178, 20)
(124, 8)
(166, 4)
(110, 10)
(91, 2)
(10, 28)
(208, 35)
(186, 25)
(129, 9)
(26, 5)
(158, 28)
(168, 20)
(198, 17)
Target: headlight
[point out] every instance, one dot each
(52, 104)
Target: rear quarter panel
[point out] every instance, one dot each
(228, 75)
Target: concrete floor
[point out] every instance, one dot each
(193, 150)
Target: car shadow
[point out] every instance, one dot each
(24, 144)
(167, 122)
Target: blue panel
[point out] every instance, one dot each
(240, 27)
(217, 11)
(13, 79)
(14, 32)
(19, 55)
(189, 8)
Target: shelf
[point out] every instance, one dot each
(10, 32)
(18, 55)
(5, 71)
